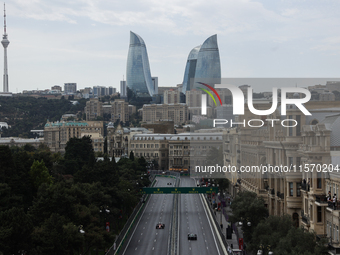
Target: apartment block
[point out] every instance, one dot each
(156, 112)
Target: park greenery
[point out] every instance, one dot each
(62, 204)
(24, 114)
(274, 233)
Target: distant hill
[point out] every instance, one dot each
(23, 114)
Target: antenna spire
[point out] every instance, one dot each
(4, 18)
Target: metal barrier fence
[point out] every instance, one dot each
(172, 249)
(220, 232)
(120, 240)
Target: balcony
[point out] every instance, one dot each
(272, 192)
(333, 249)
(305, 187)
(333, 206)
(305, 219)
(280, 195)
(321, 200)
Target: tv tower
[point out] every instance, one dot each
(5, 43)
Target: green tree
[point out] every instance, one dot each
(7, 166)
(223, 184)
(39, 174)
(215, 156)
(132, 156)
(248, 207)
(15, 231)
(279, 235)
(105, 145)
(78, 152)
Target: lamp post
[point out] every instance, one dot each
(82, 232)
(264, 248)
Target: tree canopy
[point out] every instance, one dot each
(43, 204)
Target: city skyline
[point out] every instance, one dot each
(55, 43)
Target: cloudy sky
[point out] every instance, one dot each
(53, 42)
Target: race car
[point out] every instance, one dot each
(160, 226)
(192, 237)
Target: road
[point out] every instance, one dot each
(193, 219)
(146, 239)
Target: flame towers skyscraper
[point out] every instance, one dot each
(203, 65)
(138, 75)
(5, 43)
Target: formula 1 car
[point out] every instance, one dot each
(160, 226)
(192, 237)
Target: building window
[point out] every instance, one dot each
(298, 189)
(319, 214)
(298, 126)
(334, 233)
(298, 163)
(290, 125)
(291, 189)
(290, 161)
(327, 229)
(311, 212)
(319, 181)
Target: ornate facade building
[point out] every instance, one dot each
(299, 192)
(57, 134)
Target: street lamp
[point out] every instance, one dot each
(81, 230)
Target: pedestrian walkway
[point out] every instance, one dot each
(222, 217)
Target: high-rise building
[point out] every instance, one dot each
(123, 92)
(156, 112)
(70, 88)
(203, 65)
(93, 109)
(5, 43)
(208, 67)
(172, 96)
(99, 91)
(190, 69)
(138, 76)
(155, 84)
(120, 110)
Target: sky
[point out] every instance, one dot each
(53, 42)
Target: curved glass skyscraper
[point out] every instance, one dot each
(203, 65)
(138, 76)
(190, 69)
